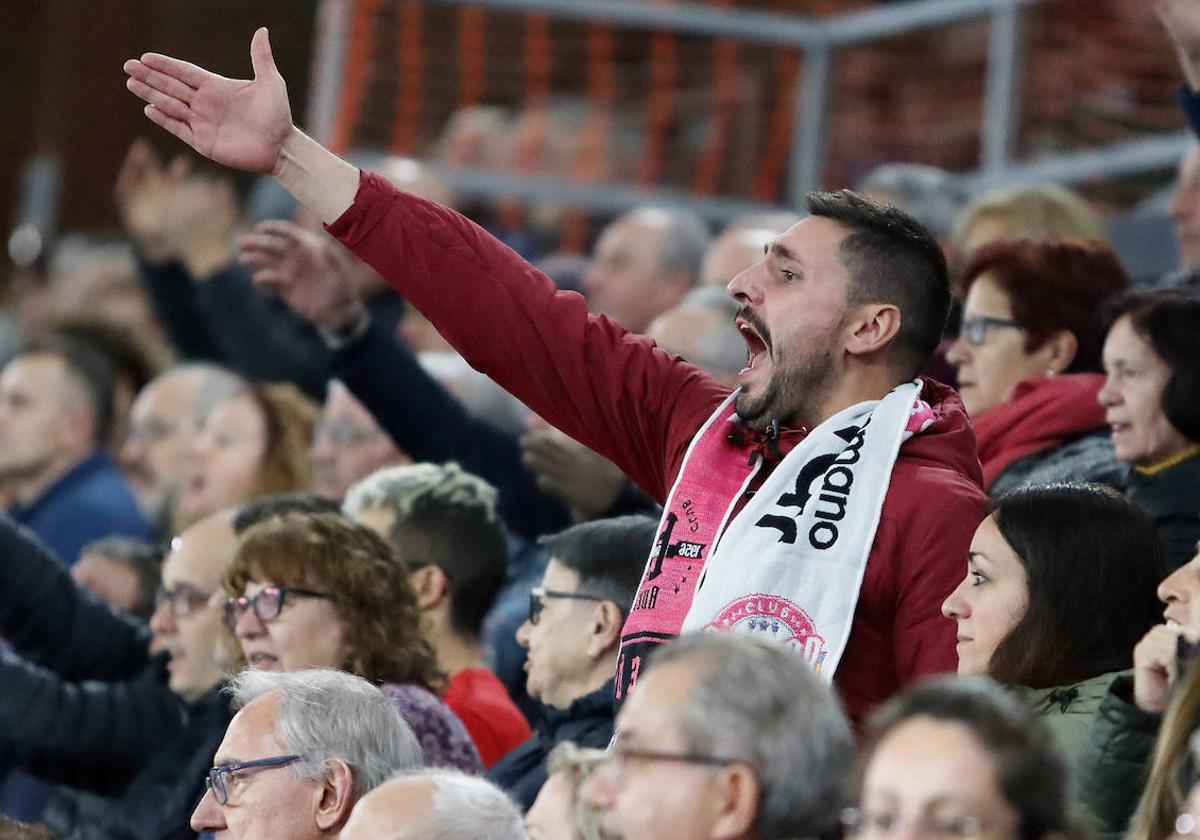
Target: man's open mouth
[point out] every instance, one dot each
(756, 345)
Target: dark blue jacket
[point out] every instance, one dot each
(588, 722)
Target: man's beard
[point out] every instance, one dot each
(795, 390)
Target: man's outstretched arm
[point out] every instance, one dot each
(244, 124)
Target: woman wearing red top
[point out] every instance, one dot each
(1028, 361)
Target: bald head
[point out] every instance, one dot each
(435, 805)
(734, 251)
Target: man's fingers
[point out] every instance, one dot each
(269, 279)
(169, 105)
(257, 259)
(286, 231)
(168, 85)
(263, 243)
(184, 71)
(177, 127)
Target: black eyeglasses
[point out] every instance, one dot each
(975, 329)
(181, 601)
(267, 604)
(872, 824)
(218, 777)
(538, 596)
(619, 757)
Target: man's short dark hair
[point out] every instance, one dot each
(89, 370)
(279, 504)
(893, 259)
(609, 555)
(140, 557)
(466, 544)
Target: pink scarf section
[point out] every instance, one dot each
(716, 471)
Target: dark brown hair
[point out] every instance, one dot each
(1169, 321)
(1093, 562)
(1053, 285)
(368, 587)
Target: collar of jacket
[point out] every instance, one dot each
(595, 706)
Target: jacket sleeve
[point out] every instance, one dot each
(1116, 760)
(78, 732)
(172, 296)
(257, 335)
(613, 391)
(54, 622)
(923, 639)
(428, 423)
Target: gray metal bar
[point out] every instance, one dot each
(325, 77)
(1127, 158)
(742, 25)
(1000, 98)
(605, 198)
(808, 127)
(899, 18)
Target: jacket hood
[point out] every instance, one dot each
(949, 442)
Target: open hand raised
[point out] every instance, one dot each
(234, 122)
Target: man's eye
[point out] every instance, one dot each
(789, 275)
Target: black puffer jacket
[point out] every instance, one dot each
(1171, 498)
(1116, 759)
(85, 705)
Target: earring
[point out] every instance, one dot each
(1051, 372)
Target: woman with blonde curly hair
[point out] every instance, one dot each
(253, 443)
(319, 591)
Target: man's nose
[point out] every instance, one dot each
(208, 815)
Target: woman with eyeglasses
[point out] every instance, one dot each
(1028, 361)
(1151, 401)
(956, 759)
(1059, 588)
(320, 591)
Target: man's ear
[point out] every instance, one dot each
(737, 799)
(335, 796)
(431, 586)
(872, 327)
(605, 630)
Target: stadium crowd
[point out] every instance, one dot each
(337, 516)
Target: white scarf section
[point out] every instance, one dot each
(790, 565)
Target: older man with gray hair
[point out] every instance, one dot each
(435, 804)
(303, 749)
(744, 736)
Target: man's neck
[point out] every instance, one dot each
(456, 653)
(862, 386)
(29, 488)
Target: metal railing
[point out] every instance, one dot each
(818, 40)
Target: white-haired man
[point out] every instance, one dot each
(435, 804)
(303, 749)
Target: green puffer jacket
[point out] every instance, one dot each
(1070, 713)
(1116, 760)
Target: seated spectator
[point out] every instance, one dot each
(166, 416)
(559, 813)
(1044, 211)
(1042, 567)
(254, 443)
(319, 591)
(644, 263)
(932, 196)
(55, 417)
(958, 758)
(97, 710)
(126, 573)
(740, 246)
(348, 444)
(1151, 401)
(315, 742)
(1122, 744)
(132, 364)
(749, 742)
(435, 805)
(701, 329)
(442, 524)
(1028, 361)
(572, 635)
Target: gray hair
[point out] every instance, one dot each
(326, 714)
(761, 703)
(721, 349)
(214, 385)
(685, 238)
(466, 807)
(401, 489)
(929, 194)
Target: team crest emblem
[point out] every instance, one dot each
(775, 619)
